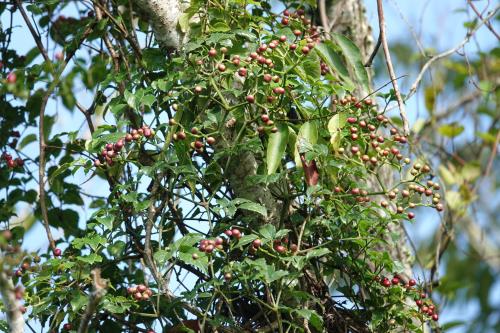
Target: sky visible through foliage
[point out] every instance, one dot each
(438, 25)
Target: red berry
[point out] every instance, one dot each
(242, 71)
(212, 52)
(236, 233)
(257, 243)
(11, 77)
(210, 140)
(250, 99)
(67, 327)
(221, 67)
(395, 281)
(267, 77)
(280, 249)
(305, 50)
(435, 317)
(412, 282)
(57, 252)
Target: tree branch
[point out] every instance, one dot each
(392, 75)
(98, 291)
(487, 23)
(449, 52)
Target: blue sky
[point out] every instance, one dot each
(438, 25)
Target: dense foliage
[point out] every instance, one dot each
(256, 180)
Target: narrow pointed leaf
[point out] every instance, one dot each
(276, 148)
(353, 57)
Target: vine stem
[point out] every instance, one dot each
(390, 68)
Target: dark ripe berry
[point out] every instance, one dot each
(337, 189)
(267, 77)
(209, 248)
(141, 288)
(270, 99)
(57, 252)
(354, 150)
(394, 131)
(293, 47)
(242, 71)
(403, 140)
(439, 207)
(228, 276)
(294, 248)
(111, 153)
(300, 12)
(194, 130)
(198, 89)
(131, 290)
(305, 50)
(355, 191)
(198, 144)
(228, 233)
(221, 67)
(395, 280)
(435, 317)
(285, 21)
(380, 139)
(276, 78)
(219, 241)
(138, 296)
(264, 118)
(380, 117)
(236, 233)
(257, 243)
(261, 60)
(286, 12)
(109, 146)
(67, 327)
(386, 283)
(423, 295)
(18, 273)
(250, 99)
(148, 132)
(118, 145)
(282, 38)
(297, 32)
(371, 127)
(280, 249)
(181, 135)
(424, 308)
(212, 52)
(25, 266)
(354, 136)
(279, 90)
(236, 61)
(262, 48)
(150, 331)
(210, 140)
(351, 120)
(419, 302)
(19, 161)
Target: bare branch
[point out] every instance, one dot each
(487, 23)
(392, 75)
(323, 15)
(449, 52)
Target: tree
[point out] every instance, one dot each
(246, 175)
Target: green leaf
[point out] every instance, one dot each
(451, 130)
(335, 125)
(78, 301)
(312, 316)
(276, 148)
(308, 136)
(90, 259)
(353, 57)
(330, 57)
(107, 221)
(26, 141)
(251, 206)
(162, 256)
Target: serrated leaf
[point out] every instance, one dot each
(78, 301)
(254, 207)
(276, 148)
(353, 57)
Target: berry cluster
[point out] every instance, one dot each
(112, 150)
(11, 162)
(427, 307)
(140, 292)
(280, 245)
(197, 144)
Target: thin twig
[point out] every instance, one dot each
(375, 51)
(487, 23)
(449, 52)
(98, 291)
(392, 75)
(35, 35)
(492, 156)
